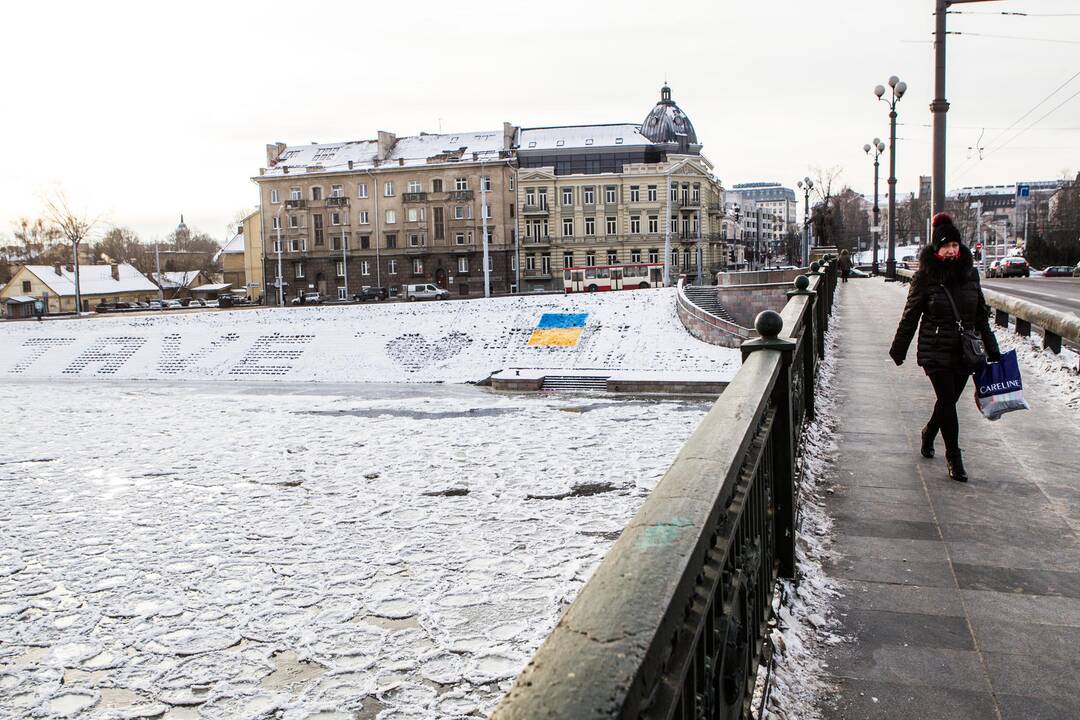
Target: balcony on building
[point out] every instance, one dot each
(295, 204)
(535, 210)
(414, 197)
(541, 241)
(536, 274)
(337, 201)
(421, 249)
(460, 195)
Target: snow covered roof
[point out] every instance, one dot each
(20, 299)
(211, 287)
(176, 279)
(235, 246)
(93, 279)
(409, 151)
(580, 136)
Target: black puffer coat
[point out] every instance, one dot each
(939, 338)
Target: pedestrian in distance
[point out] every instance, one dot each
(945, 285)
(844, 263)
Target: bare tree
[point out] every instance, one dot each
(74, 227)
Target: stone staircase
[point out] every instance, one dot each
(575, 383)
(704, 296)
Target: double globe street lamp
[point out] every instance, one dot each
(878, 147)
(898, 89)
(806, 184)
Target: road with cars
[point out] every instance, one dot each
(1061, 294)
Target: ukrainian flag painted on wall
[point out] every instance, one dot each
(558, 329)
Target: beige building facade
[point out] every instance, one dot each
(617, 194)
(386, 213)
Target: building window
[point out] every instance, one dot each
(485, 183)
(530, 262)
(590, 226)
(418, 266)
(461, 183)
(568, 259)
(463, 264)
(298, 270)
(388, 188)
(294, 193)
(340, 267)
(365, 242)
(568, 196)
(341, 294)
(391, 240)
(391, 266)
(316, 193)
(674, 258)
(651, 193)
(674, 225)
(274, 197)
(609, 195)
(336, 191)
(612, 257)
(590, 259)
(26, 284)
(511, 182)
(530, 197)
(416, 241)
(277, 246)
(635, 193)
(364, 218)
(697, 193)
(687, 258)
(568, 227)
(391, 217)
(365, 267)
(361, 190)
(414, 186)
(611, 226)
(486, 211)
(275, 223)
(654, 255)
(674, 192)
(294, 221)
(318, 227)
(513, 263)
(635, 224)
(588, 196)
(459, 212)
(545, 264)
(414, 214)
(635, 256)
(335, 218)
(459, 238)
(436, 185)
(542, 198)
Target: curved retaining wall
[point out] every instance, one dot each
(708, 327)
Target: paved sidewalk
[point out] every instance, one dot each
(963, 600)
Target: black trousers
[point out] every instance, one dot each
(948, 386)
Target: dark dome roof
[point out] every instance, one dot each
(667, 123)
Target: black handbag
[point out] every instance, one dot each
(972, 348)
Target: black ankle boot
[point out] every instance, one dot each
(955, 462)
(927, 448)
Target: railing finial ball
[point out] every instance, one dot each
(802, 282)
(768, 323)
(814, 267)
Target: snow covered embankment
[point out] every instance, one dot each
(459, 341)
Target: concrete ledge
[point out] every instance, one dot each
(708, 327)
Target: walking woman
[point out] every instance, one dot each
(845, 265)
(946, 268)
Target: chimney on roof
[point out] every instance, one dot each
(401, 161)
(509, 131)
(114, 268)
(385, 144)
(350, 164)
(56, 268)
(273, 152)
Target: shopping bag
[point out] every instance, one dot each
(999, 388)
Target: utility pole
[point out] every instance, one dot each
(940, 106)
(667, 232)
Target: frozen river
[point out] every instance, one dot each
(301, 551)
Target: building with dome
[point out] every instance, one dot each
(616, 194)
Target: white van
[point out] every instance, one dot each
(427, 291)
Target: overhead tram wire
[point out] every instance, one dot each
(1012, 13)
(1012, 37)
(966, 165)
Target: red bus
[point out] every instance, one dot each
(599, 278)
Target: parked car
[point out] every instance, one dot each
(993, 269)
(426, 291)
(308, 298)
(195, 303)
(1014, 267)
(369, 292)
(1058, 271)
(216, 302)
(104, 307)
(173, 304)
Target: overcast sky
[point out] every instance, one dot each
(140, 111)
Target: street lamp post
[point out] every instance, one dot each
(806, 184)
(280, 288)
(898, 89)
(875, 232)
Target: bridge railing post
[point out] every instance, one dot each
(820, 308)
(769, 324)
(808, 339)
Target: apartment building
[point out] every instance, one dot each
(613, 194)
(777, 201)
(388, 212)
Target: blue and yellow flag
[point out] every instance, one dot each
(559, 329)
